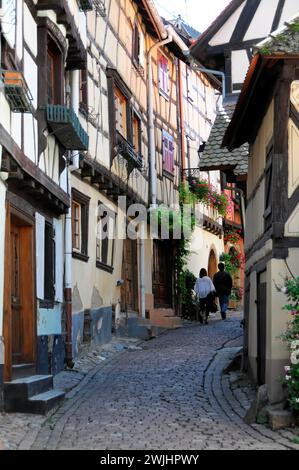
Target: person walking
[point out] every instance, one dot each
(223, 284)
(205, 292)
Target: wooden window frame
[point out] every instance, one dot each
(50, 38)
(268, 189)
(136, 45)
(167, 157)
(114, 80)
(136, 117)
(54, 52)
(123, 102)
(50, 265)
(83, 201)
(163, 76)
(106, 266)
(83, 91)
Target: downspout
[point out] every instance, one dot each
(199, 68)
(150, 117)
(68, 285)
(182, 120)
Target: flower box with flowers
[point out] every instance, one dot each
(206, 194)
(232, 235)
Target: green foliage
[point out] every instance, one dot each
(233, 261)
(291, 379)
(237, 293)
(294, 27)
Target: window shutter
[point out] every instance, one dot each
(168, 152)
(49, 292)
(141, 50)
(59, 260)
(40, 255)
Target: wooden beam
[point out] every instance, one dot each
(30, 168)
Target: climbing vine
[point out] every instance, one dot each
(291, 338)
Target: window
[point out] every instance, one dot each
(80, 213)
(54, 75)
(268, 190)
(120, 112)
(136, 133)
(83, 91)
(168, 153)
(105, 238)
(76, 221)
(49, 282)
(136, 45)
(163, 75)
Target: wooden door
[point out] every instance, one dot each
(162, 274)
(261, 328)
(19, 293)
(129, 290)
(16, 301)
(212, 268)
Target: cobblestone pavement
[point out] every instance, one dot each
(168, 393)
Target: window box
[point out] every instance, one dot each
(126, 150)
(17, 91)
(66, 127)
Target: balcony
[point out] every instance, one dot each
(66, 127)
(126, 150)
(17, 91)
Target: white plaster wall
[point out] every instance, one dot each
(30, 30)
(30, 75)
(293, 157)
(252, 325)
(290, 9)
(202, 242)
(224, 34)
(277, 354)
(30, 137)
(240, 64)
(261, 23)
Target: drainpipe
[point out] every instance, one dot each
(199, 68)
(142, 269)
(151, 127)
(182, 119)
(68, 284)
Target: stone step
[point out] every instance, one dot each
(22, 370)
(27, 387)
(169, 321)
(44, 402)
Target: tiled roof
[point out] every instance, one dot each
(215, 157)
(283, 41)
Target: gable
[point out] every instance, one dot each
(242, 23)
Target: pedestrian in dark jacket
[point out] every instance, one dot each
(223, 284)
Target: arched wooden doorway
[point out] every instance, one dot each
(212, 267)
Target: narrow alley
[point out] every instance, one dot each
(168, 394)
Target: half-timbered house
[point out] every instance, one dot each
(41, 53)
(272, 130)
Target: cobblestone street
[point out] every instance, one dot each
(169, 393)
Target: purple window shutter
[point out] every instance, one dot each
(168, 152)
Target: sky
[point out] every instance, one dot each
(198, 13)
